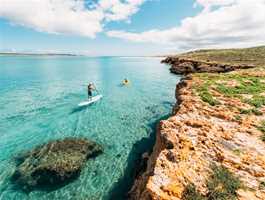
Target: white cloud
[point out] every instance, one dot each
(208, 4)
(117, 10)
(67, 16)
(221, 23)
(232, 23)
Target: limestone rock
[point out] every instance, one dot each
(198, 135)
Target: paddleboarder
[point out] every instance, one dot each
(90, 88)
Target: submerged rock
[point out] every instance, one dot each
(54, 163)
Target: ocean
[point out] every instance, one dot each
(38, 103)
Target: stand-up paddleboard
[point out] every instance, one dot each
(92, 100)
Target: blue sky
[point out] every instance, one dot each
(129, 27)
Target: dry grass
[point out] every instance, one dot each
(249, 56)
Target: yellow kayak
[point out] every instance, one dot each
(125, 82)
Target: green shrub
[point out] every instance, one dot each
(190, 193)
(257, 101)
(238, 118)
(254, 111)
(262, 129)
(206, 96)
(237, 152)
(222, 185)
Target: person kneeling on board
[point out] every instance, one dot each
(90, 88)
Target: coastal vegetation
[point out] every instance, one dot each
(261, 127)
(222, 184)
(247, 56)
(247, 87)
(217, 61)
(206, 95)
(190, 193)
(251, 111)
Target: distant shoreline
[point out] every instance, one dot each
(69, 54)
(37, 54)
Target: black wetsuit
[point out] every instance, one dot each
(89, 91)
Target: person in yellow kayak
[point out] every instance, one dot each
(125, 81)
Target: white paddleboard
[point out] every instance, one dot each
(92, 100)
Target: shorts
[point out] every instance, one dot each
(89, 93)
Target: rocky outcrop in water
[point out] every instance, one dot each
(54, 163)
(185, 66)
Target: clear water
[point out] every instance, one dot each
(38, 103)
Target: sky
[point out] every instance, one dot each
(129, 27)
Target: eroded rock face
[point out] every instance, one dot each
(186, 66)
(54, 163)
(198, 135)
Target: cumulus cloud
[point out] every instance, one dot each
(222, 23)
(68, 16)
(118, 10)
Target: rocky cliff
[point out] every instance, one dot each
(213, 146)
(186, 65)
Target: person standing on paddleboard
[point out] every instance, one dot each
(90, 88)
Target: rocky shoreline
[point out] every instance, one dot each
(186, 66)
(213, 144)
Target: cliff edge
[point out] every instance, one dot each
(222, 60)
(213, 146)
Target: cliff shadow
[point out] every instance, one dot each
(135, 164)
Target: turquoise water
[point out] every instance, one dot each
(38, 103)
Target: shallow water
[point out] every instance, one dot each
(38, 103)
